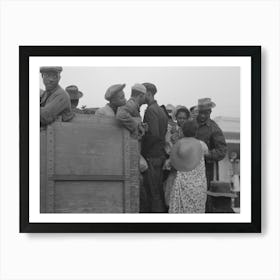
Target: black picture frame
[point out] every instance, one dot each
(254, 52)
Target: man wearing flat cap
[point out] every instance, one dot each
(129, 114)
(54, 101)
(115, 96)
(153, 150)
(74, 95)
(210, 133)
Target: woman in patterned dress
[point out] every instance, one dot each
(188, 194)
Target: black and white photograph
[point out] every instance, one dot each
(180, 152)
(139, 140)
(150, 136)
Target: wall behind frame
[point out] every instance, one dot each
(139, 256)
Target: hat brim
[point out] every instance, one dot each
(45, 69)
(233, 195)
(206, 106)
(75, 96)
(182, 164)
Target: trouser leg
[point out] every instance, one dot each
(154, 185)
(209, 177)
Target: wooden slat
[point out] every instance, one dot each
(88, 178)
(50, 170)
(43, 170)
(88, 197)
(126, 165)
(134, 176)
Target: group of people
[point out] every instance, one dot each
(178, 148)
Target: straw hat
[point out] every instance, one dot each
(186, 154)
(205, 104)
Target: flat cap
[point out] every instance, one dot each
(150, 87)
(112, 90)
(139, 87)
(56, 69)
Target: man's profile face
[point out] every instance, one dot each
(143, 98)
(203, 115)
(50, 80)
(118, 99)
(148, 97)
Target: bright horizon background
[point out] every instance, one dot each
(176, 85)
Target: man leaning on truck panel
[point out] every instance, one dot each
(54, 101)
(129, 114)
(115, 95)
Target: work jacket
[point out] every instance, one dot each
(129, 116)
(210, 133)
(105, 111)
(53, 104)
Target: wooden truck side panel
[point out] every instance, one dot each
(89, 165)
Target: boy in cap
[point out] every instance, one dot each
(210, 133)
(129, 114)
(54, 101)
(115, 96)
(153, 150)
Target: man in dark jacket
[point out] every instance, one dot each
(210, 133)
(153, 150)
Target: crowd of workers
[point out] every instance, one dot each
(178, 147)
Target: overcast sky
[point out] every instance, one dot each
(176, 85)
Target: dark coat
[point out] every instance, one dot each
(212, 135)
(153, 142)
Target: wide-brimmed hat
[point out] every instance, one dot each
(74, 92)
(112, 90)
(205, 104)
(186, 154)
(45, 69)
(219, 188)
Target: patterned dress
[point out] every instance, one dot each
(188, 194)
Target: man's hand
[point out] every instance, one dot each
(167, 165)
(143, 165)
(174, 138)
(208, 157)
(141, 130)
(146, 126)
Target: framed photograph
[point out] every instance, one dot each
(140, 138)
